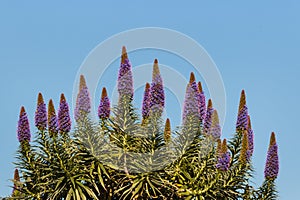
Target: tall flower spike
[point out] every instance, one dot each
(104, 107)
(52, 119)
(250, 137)
(41, 114)
(191, 101)
(64, 120)
(244, 155)
(219, 147)
(272, 163)
(146, 102)
(157, 93)
(83, 102)
(242, 100)
(167, 131)
(215, 129)
(224, 157)
(125, 80)
(23, 127)
(208, 117)
(16, 188)
(242, 118)
(202, 105)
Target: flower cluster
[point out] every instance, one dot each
(192, 100)
(125, 80)
(64, 120)
(146, 102)
(41, 114)
(202, 103)
(157, 93)
(52, 119)
(23, 127)
(83, 102)
(272, 163)
(104, 107)
(223, 156)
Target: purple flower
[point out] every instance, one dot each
(208, 117)
(83, 102)
(242, 119)
(23, 127)
(191, 101)
(272, 163)
(41, 114)
(125, 80)
(202, 105)
(223, 157)
(52, 119)
(146, 102)
(215, 128)
(157, 94)
(104, 107)
(64, 120)
(250, 137)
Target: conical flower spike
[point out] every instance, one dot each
(191, 101)
(146, 102)
(52, 119)
(202, 104)
(208, 117)
(242, 100)
(16, 188)
(224, 146)
(157, 93)
(23, 127)
(219, 147)
(215, 129)
(250, 136)
(41, 114)
(224, 157)
(167, 131)
(83, 102)
(272, 163)
(104, 107)
(244, 155)
(64, 120)
(125, 80)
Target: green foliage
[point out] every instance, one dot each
(122, 158)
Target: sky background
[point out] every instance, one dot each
(255, 45)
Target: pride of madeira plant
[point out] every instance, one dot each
(124, 156)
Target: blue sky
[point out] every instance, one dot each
(255, 45)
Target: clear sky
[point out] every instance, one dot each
(255, 45)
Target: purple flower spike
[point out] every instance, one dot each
(272, 163)
(52, 119)
(157, 98)
(83, 102)
(41, 114)
(223, 157)
(146, 102)
(202, 105)
(125, 80)
(250, 137)
(215, 129)
(191, 101)
(23, 127)
(64, 120)
(104, 107)
(242, 119)
(208, 117)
